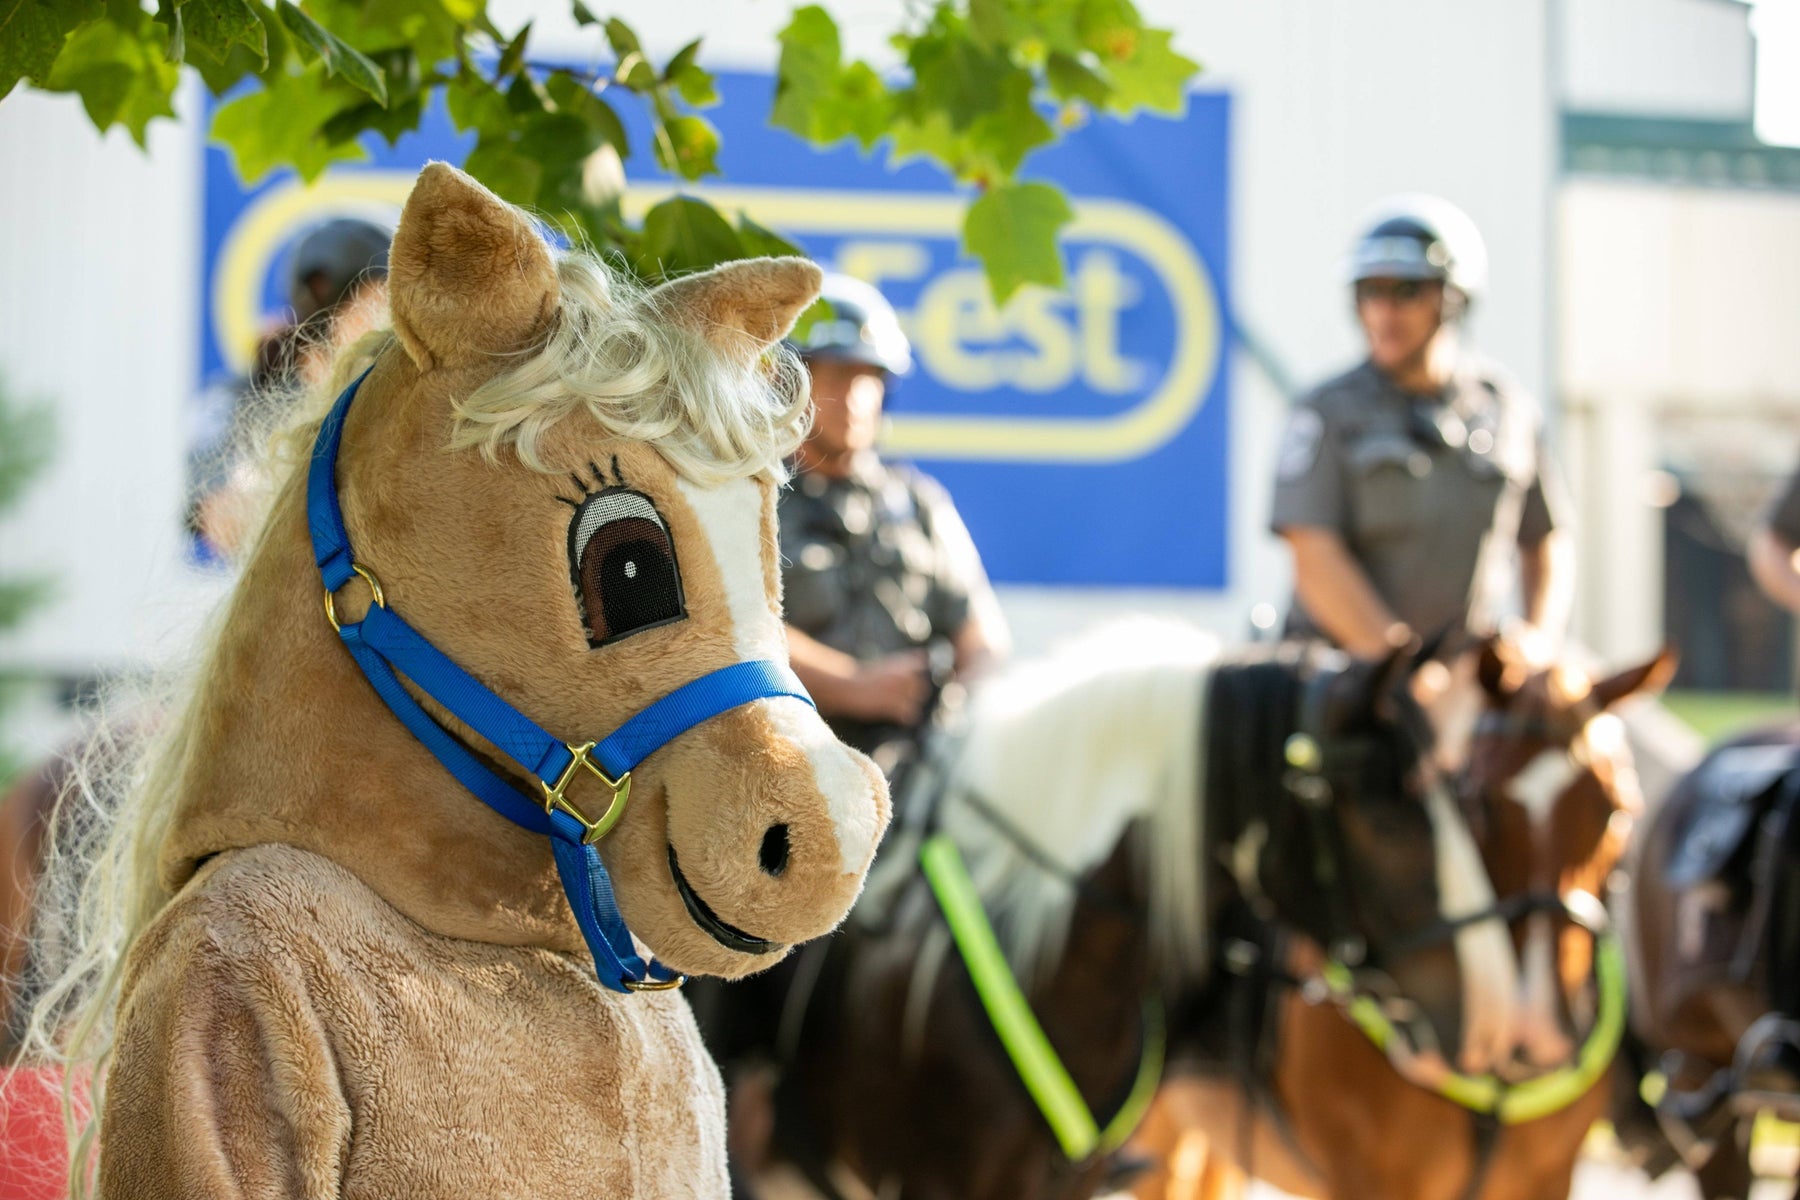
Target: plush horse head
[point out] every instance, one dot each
(1552, 795)
(567, 485)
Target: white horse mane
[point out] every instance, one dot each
(1070, 749)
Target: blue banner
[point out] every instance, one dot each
(1083, 434)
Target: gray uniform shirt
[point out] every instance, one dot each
(1429, 493)
(875, 563)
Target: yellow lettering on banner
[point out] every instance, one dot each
(877, 262)
(1102, 293)
(1040, 342)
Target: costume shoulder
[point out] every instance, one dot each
(224, 1079)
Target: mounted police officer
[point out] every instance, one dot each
(1406, 485)
(877, 566)
(1775, 548)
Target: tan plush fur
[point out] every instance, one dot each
(368, 983)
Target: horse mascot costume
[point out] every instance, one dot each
(365, 929)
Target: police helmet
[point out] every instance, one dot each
(861, 327)
(345, 250)
(1417, 236)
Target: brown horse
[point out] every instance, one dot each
(1713, 916)
(1118, 805)
(1550, 793)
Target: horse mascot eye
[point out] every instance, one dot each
(399, 905)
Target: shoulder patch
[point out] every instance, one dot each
(1299, 444)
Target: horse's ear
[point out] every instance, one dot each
(1369, 688)
(468, 275)
(743, 307)
(1500, 670)
(1645, 680)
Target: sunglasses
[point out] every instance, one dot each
(1397, 291)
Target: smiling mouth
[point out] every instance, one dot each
(727, 936)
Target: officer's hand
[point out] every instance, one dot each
(893, 688)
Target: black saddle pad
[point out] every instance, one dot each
(1736, 786)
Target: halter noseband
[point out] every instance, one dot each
(382, 644)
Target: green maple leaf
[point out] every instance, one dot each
(215, 27)
(1153, 76)
(952, 73)
(281, 124)
(32, 34)
(1072, 79)
(1013, 128)
(688, 146)
(1012, 228)
(572, 96)
(759, 241)
(317, 43)
(119, 71)
(810, 57)
(683, 234)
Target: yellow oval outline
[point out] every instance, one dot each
(1140, 430)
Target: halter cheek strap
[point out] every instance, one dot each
(385, 647)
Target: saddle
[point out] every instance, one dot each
(1742, 831)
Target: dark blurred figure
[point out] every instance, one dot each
(876, 563)
(1774, 545)
(336, 294)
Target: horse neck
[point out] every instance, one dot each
(1092, 1002)
(1250, 715)
(290, 744)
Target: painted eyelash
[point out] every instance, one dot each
(599, 483)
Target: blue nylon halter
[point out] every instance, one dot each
(383, 644)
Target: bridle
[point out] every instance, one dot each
(1312, 759)
(385, 647)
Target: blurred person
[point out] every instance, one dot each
(1774, 548)
(876, 564)
(1414, 491)
(336, 293)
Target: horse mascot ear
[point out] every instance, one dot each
(469, 278)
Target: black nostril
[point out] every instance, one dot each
(775, 850)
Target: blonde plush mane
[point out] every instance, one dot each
(1072, 748)
(616, 352)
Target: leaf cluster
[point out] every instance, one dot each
(986, 82)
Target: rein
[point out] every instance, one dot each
(1488, 1095)
(1058, 1099)
(384, 646)
(1306, 753)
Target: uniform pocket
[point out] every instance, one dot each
(1388, 483)
(812, 586)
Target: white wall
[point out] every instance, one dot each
(1676, 302)
(1690, 58)
(98, 296)
(1337, 103)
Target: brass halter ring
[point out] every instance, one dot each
(374, 589)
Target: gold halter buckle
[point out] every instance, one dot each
(654, 985)
(374, 590)
(555, 795)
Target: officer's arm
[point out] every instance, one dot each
(1337, 594)
(892, 688)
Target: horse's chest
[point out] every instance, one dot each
(498, 1085)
